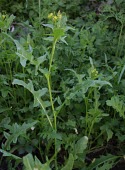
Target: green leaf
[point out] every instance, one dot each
(4, 109)
(49, 39)
(22, 59)
(106, 128)
(28, 162)
(70, 162)
(110, 134)
(48, 25)
(84, 85)
(117, 104)
(28, 86)
(63, 40)
(102, 161)
(37, 97)
(40, 166)
(15, 131)
(23, 54)
(81, 145)
(37, 94)
(106, 166)
(39, 61)
(5, 153)
(5, 121)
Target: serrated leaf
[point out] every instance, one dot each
(86, 84)
(5, 121)
(106, 166)
(101, 161)
(37, 94)
(117, 104)
(37, 97)
(15, 131)
(28, 86)
(39, 61)
(23, 54)
(63, 40)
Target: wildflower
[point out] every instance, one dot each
(55, 18)
(95, 72)
(50, 15)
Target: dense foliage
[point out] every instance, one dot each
(62, 95)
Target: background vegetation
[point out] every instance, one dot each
(62, 95)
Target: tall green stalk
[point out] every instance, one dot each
(50, 93)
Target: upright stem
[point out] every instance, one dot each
(52, 55)
(50, 93)
(87, 114)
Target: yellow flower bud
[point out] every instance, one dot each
(50, 15)
(55, 18)
(94, 73)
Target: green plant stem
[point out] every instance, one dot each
(50, 94)
(91, 127)
(87, 115)
(52, 55)
(45, 112)
(51, 100)
(49, 82)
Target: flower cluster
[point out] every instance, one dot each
(54, 17)
(94, 73)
